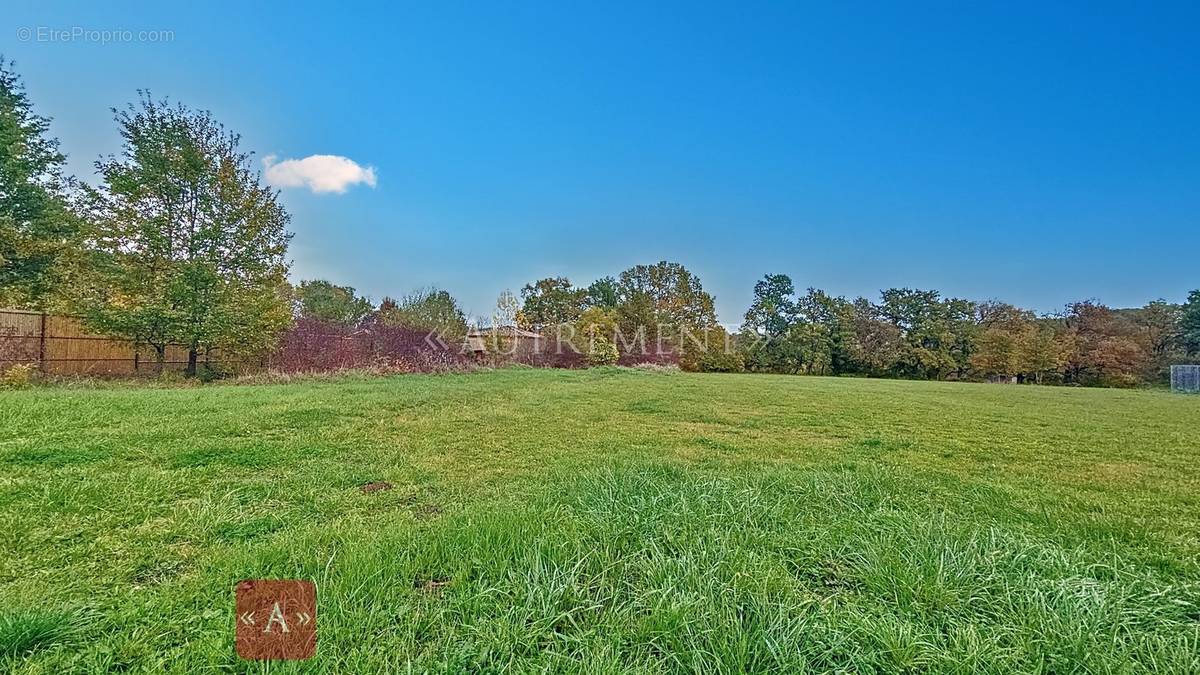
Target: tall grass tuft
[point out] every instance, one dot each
(25, 631)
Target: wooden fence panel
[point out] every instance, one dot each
(20, 337)
(23, 324)
(62, 345)
(72, 350)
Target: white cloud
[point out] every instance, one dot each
(319, 173)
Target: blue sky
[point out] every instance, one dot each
(1016, 151)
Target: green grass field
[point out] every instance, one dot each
(606, 520)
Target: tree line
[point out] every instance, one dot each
(921, 334)
(180, 243)
(662, 310)
(907, 333)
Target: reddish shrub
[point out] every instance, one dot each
(551, 357)
(311, 345)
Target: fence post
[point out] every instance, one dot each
(42, 344)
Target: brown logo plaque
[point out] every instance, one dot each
(276, 619)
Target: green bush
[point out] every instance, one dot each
(209, 372)
(19, 376)
(722, 362)
(602, 352)
(714, 353)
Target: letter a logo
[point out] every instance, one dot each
(273, 619)
(276, 615)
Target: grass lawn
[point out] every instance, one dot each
(606, 520)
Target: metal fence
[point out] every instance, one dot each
(1185, 379)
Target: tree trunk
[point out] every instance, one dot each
(191, 364)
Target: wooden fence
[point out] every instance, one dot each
(60, 345)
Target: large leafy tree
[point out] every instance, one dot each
(666, 304)
(820, 333)
(998, 352)
(550, 302)
(938, 333)
(1045, 348)
(1013, 342)
(604, 292)
(1189, 324)
(960, 320)
(325, 301)
(195, 242)
(39, 233)
(594, 334)
(1159, 321)
(676, 295)
(1110, 349)
(638, 324)
(766, 325)
(872, 344)
(998, 347)
(773, 309)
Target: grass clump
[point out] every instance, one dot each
(25, 631)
